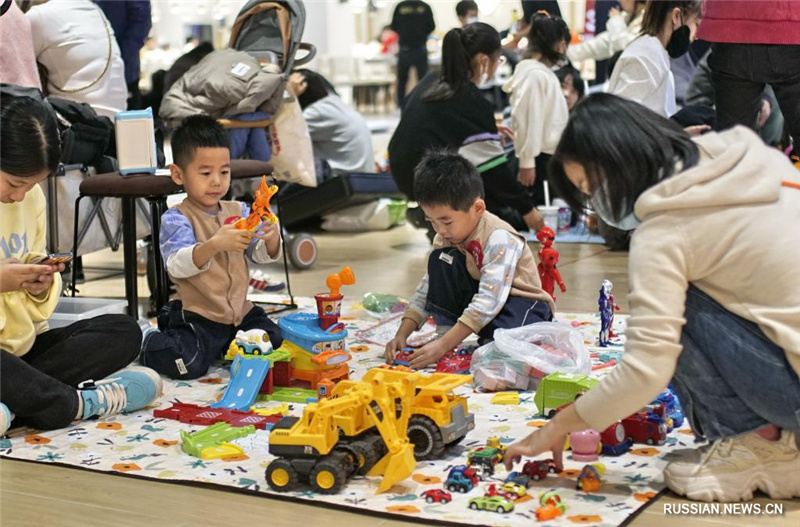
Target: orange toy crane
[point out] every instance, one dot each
(260, 212)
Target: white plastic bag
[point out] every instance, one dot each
(292, 153)
(519, 358)
(376, 215)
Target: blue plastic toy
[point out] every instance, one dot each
(247, 375)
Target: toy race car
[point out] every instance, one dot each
(437, 496)
(492, 503)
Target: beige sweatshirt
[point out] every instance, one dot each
(727, 226)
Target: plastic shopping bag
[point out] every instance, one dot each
(292, 153)
(519, 358)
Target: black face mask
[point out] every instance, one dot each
(679, 42)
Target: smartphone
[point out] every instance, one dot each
(54, 259)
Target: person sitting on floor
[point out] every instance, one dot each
(206, 259)
(339, 134)
(714, 298)
(481, 272)
(44, 373)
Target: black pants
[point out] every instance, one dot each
(451, 289)
(406, 58)
(740, 72)
(187, 344)
(40, 387)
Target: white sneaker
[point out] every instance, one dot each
(732, 469)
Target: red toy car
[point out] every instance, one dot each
(402, 357)
(437, 496)
(537, 470)
(459, 364)
(643, 429)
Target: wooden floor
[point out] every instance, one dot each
(38, 494)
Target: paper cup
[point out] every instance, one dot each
(550, 215)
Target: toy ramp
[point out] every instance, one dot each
(247, 376)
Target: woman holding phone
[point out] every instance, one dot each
(46, 376)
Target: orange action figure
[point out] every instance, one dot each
(260, 212)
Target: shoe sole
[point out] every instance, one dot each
(779, 480)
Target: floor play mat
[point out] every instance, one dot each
(143, 446)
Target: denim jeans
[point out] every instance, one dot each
(40, 387)
(740, 73)
(406, 59)
(731, 379)
(187, 344)
(451, 288)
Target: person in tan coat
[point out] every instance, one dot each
(715, 292)
(206, 258)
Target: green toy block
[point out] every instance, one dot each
(212, 436)
(289, 395)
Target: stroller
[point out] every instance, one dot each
(271, 31)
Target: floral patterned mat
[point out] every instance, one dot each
(140, 445)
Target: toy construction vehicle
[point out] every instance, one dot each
(361, 430)
(439, 418)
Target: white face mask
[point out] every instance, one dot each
(626, 223)
(472, 19)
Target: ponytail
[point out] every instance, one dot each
(459, 47)
(545, 33)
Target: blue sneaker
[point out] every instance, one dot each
(125, 391)
(5, 418)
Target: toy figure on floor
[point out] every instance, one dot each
(548, 258)
(606, 314)
(608, 286)
(260, 211)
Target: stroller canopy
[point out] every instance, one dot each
(271, 31)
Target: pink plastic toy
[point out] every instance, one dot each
(585, 444)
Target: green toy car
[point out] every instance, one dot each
(492, 503)
(558, 389)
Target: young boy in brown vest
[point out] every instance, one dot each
(481, 273)
(206, 259)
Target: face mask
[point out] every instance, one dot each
(472, 19)
(679, 42)
(627, 223)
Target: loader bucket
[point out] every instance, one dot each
(394, 467)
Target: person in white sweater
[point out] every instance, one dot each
(642, 73)
(76, 45)
(538, 109)
(621, 30)
(715, 293)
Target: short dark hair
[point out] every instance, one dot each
(464, 7)
(197, 131)
(317, 87)
(443, 177)
(29, 138)
(577, 81)
(633, 149)
(545, 33)
(657, 12)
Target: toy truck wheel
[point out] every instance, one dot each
(551, 414)
(377, 445)
(445, 501)
(302, 251)
(329, 474)
(650, 441)
(281, 476)
(501, 509)
(366, 456)
(430, 499)
(536, 477)
(473, 506)
(426, 437)
(452, 488)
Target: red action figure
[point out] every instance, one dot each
(548, 258)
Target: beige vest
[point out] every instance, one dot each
(526, 282)
(220, 292)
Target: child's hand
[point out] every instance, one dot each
(538, 441)
(270, 233)
(428, 354)
(15, 276)
(527, 176)
(393, 347)
(228, 238)
(39, 286)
